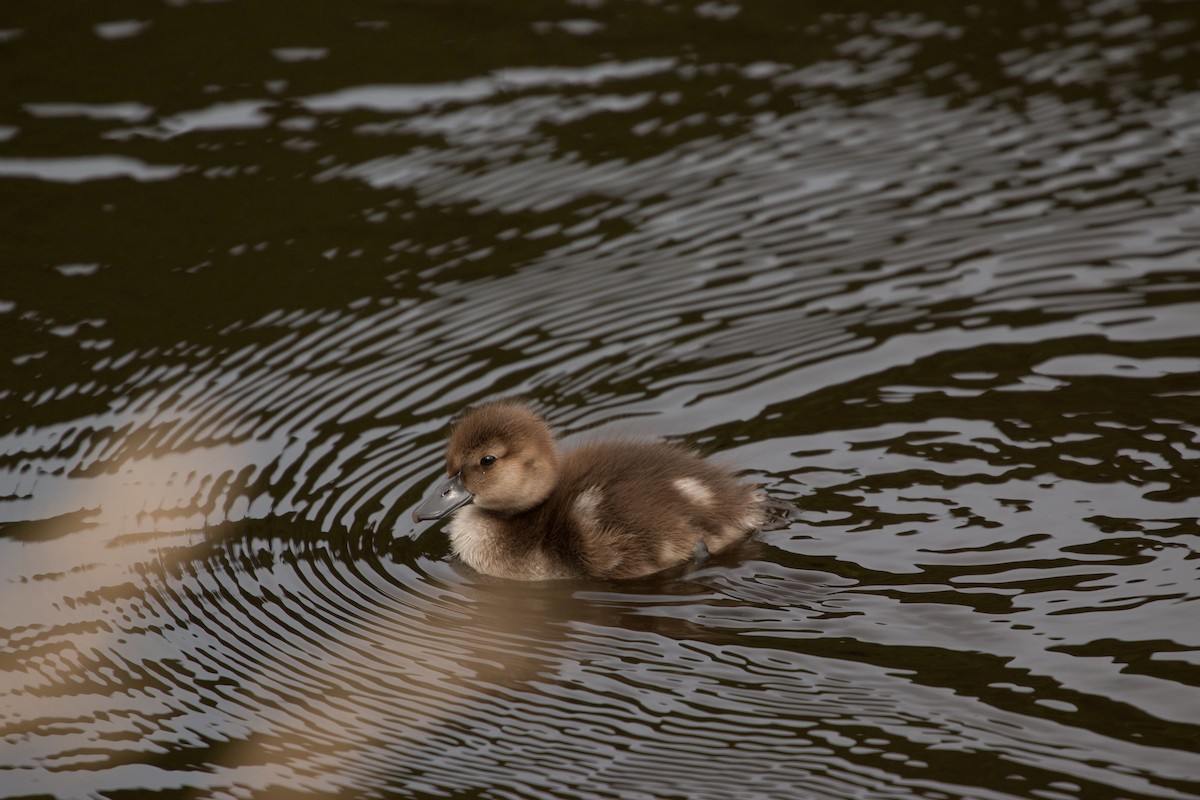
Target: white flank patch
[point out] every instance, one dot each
(586, 506)
(694, 491)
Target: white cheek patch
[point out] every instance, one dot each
(694, 491)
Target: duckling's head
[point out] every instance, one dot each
(500, 457)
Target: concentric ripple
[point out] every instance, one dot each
(931, 274)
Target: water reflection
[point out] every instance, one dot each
(928, 272)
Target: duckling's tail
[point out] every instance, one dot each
(777, 512)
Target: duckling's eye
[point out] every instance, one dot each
(487, 461)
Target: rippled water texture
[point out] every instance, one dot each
(930, 271)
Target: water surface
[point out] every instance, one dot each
(930, 273)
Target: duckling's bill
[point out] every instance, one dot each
(445, 499)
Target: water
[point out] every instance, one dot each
(929, 272)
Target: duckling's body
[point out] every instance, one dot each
(609, 510)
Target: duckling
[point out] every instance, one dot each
(617, 509)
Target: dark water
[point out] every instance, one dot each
(931, 271)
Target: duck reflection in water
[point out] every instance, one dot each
(617, 509)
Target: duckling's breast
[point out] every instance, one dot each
(504, 548)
